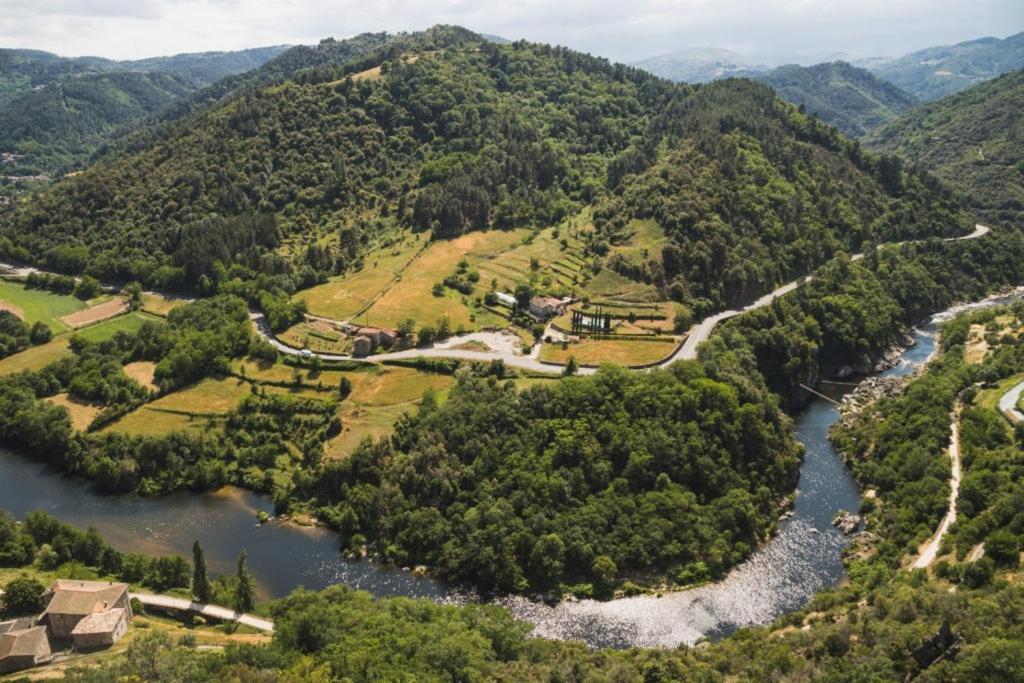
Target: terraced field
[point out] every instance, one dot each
(344, 297)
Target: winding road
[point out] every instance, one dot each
(213, 611)
(697, 335)
(1008, 404)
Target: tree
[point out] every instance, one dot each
(41, 333)
(571, 367)
(1003, 547)
(245, 591)
(523, 294)
(133, 290)
(979, 573)
(344, 387)
(200, 580)
(22, 596)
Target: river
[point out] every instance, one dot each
(802, 558)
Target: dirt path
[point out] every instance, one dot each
(931, 548)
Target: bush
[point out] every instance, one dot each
(22, 596)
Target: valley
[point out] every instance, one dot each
(449, 357)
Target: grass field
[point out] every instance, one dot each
(621, 352)
(142, 372)
(341, 298)
(316, 335)
(39, 304)
(379, 396)
(36, 357)
(989, 398)
(102, 331)
(412, 296)
(208, 397)
(159, 305)
(82, 414)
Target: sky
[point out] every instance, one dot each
(620, 30)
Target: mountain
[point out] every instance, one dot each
(56, 112)
(57, 127)
(24, 70)
(445, 132)
(973, 140)
(698, 64)
(939, 71)
(850, 98)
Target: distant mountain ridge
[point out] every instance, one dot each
(972, 140)
(55, 112)
(698, 64)
(943, 70)
(848, 97)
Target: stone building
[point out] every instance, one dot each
(23, 645)
(69, 602)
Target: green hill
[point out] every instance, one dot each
(943, 70)
(57, 127)
(56, 112)
(973, 140)
(446, 132)
(850, 98)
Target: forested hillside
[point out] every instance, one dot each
(56, 112)
(946, 69)
(446, 132)
(973, 140)
(850, 98)
(55, 128)
(23, 70)
(588, 481)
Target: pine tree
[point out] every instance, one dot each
(245, 591)
(200, 580)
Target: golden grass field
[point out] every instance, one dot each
(142, 372)
(595, 351)
(36, 357)
(341, 298)
(82, 414)
(158, 304)
(412, 297)
(316, 335)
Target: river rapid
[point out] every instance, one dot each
(803, 557)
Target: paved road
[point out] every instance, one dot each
(697, 335)
(931, 549)
(1008, 404)
(214, 611)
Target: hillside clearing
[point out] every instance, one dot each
(38, 304)
(622, 352)
(82, 414)
(36, 357)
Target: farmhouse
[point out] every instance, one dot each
(68, 603)
(545, 307)
(23, 645)
(378, 336)
(362, 345)
(101, 629)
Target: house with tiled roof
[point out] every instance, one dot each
(69, 602)
(23, 645)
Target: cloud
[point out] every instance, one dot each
(619, 30)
